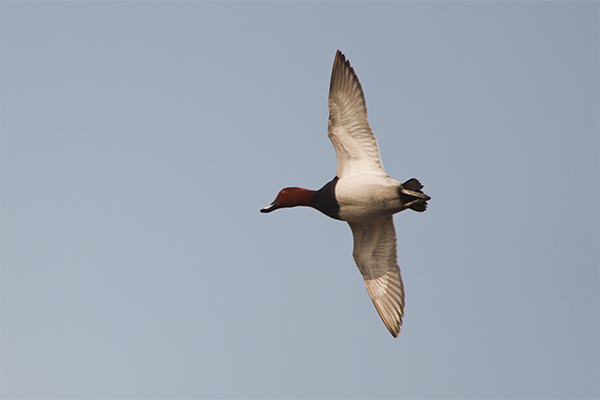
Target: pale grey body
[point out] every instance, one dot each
(364, 198)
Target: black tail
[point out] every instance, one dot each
(417, 200)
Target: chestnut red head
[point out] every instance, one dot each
(290, 197)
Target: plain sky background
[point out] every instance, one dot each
(140, 139)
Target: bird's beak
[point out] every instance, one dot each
(271, 207)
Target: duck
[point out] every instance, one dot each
(362, 194)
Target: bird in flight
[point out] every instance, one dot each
(362, 194)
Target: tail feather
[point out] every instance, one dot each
(419, 207)
(417, 200)
(413, 184)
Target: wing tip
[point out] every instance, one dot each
(339, 57)
(392, 324)
(390, 307)
(343, 75)
(338, 62)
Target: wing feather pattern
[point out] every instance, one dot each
(348, 127)
(376, 257)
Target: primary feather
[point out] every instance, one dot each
(348, 127)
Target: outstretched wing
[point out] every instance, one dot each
(348, 127)
(376, 257)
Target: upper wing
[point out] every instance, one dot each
(348, 128)
(376, 258)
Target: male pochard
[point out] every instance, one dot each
(362, 194)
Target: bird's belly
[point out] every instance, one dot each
(367, 198)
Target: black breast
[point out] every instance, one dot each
(325, 200)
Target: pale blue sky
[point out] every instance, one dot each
(140, 139)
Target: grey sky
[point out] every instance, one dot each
(140, 140)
